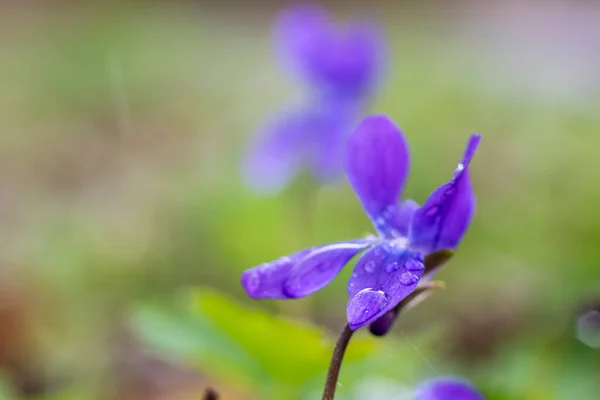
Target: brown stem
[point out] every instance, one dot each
(336, 362)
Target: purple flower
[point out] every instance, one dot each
(340, 61)
(340, 68)
(447, 389)
(376, 163)
(313, 136)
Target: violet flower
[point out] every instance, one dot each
(340, 61)
(340, 68)
(376, 163)
(447, 389)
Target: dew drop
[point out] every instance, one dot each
(407, 278)
(389, 212)
(370, 267)
(413, 265)
(460, 167)
(391, 267)
(377, 252)
(365, 305)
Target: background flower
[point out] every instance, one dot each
(339, 69)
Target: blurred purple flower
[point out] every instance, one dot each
(343, 61)
(448, 388)
(376, 163)
(312, 136)
(340, 68)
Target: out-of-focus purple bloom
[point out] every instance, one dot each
(376, 163)
(313, 136)
(448, 388)
(337, 60)
(340, 68)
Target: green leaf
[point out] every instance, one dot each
(289, 351)
(197, 341)
(234, 343)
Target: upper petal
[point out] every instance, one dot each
(300, 31)
(395, 221)
(377, 163)
(339, 61)
(319, 267)
(448, 388)
(381, 279)
(445, 216)
(349, 61)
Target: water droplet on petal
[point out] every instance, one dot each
(407, 278)
(377, 252)
(431, 212)
(354, 274)
(460, 167)
(370, 267)
(413, 265)
(365, 305)
(389, 212)
(391, 267)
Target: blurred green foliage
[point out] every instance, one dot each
(123, 130)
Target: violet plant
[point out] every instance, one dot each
(377, 163)
(340, 68)
(398, 263)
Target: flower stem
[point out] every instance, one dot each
(336, 362)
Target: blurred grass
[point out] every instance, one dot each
(103, 206)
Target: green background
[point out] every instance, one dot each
(125, 223)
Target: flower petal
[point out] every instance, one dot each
(377, 163)
(339, 62)
(348, 62)
(395, 221)
(267, 280)
(381, 279)
(319, 267)
(335, 122)
(275, 156)
(300, 31)
(448, 388)
(444, 218)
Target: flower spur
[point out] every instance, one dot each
(376, 163)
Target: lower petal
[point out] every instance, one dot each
(301, 273)
(267, 280)
(382, 278)
(319, 267)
